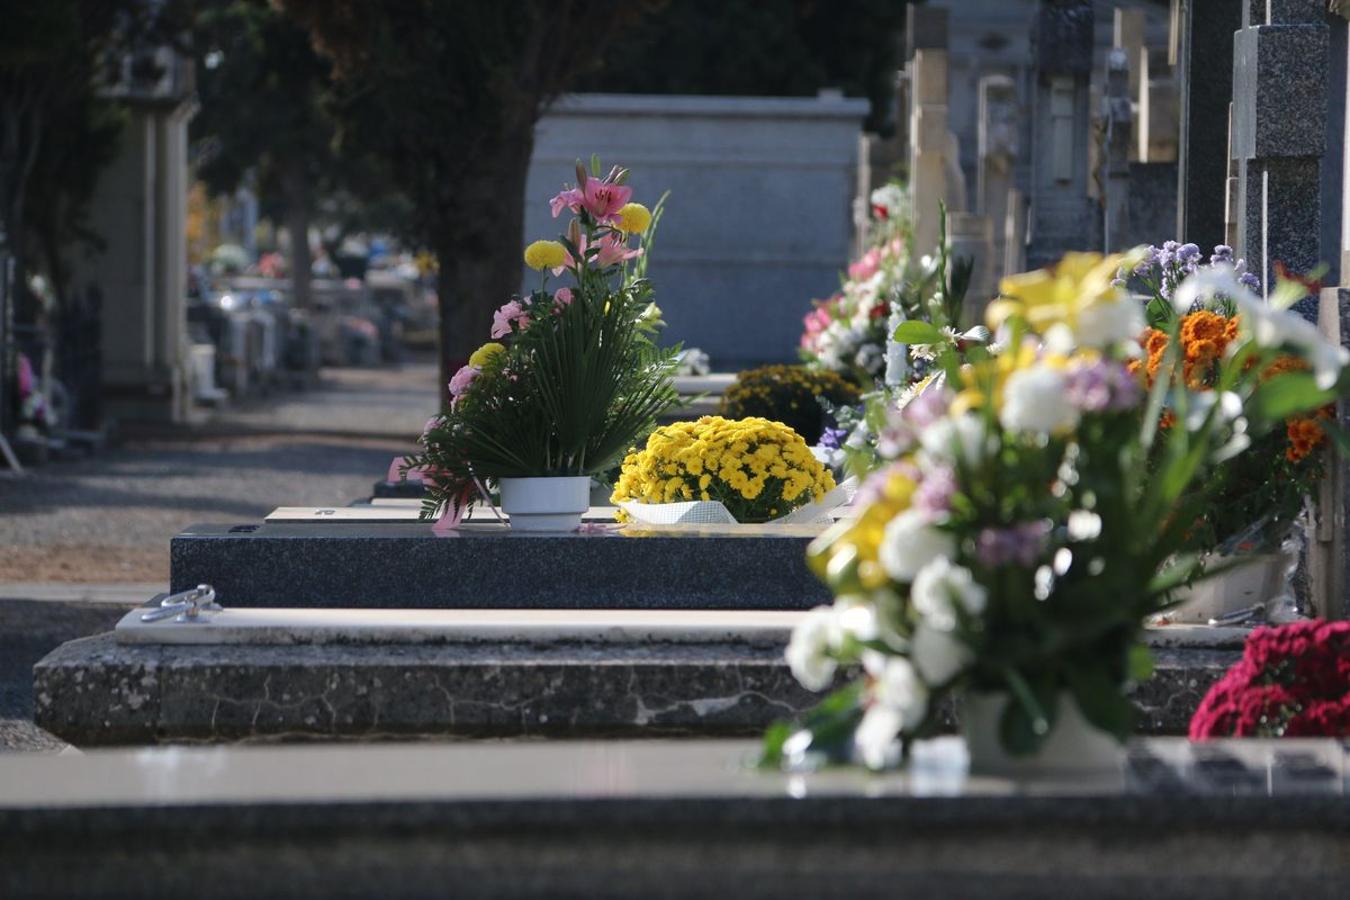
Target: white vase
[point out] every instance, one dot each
(546, 504)
(1074, 746)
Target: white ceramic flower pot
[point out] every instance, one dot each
(1258, 578)
(1074, 746)
(545, 504)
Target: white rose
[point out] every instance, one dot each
(897, 685)
(808, 650)
(938, 655)
(874, 739)
(911, 542)
(1109, 322)
(954, 438)
(1035, 400)
(940, 589)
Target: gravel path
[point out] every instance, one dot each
(110, 517)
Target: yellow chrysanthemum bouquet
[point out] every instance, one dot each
(759, 470)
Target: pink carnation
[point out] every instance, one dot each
(510, 314)
(460, 381)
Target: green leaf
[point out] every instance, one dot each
(1289, 394)
(916, 331)
(1140, 663)
(1102, 701)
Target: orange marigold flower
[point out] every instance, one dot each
(1282, 365)
(1203, 326)
(1305, 436)
(1155, 342)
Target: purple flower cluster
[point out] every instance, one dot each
(933, 496)
(833, 438)
(1103, 385)
(1022, 544)
(1164, 268)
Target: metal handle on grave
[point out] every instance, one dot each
(185, 606)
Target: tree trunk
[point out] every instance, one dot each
(479, 252)
(298, 201)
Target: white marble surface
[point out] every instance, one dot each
(421, 626)
(173, 776)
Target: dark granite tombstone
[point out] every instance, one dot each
(395, 565)
(1206, 91)
(1280, 70)
(1063, 216)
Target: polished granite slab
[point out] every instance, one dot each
(467, 673)
(486, 565)
(1229, 819)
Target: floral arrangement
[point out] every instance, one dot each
(1292, 681)
(759, 470)
(1261, 491)
(572, 377)
(1032, 513)
(846, 333)
(788, 394)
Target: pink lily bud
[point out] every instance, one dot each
(581, 175)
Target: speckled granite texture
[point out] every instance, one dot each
(94, 691)
(405, 566)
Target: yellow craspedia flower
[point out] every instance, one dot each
(545, 255)
(484, 354)
(634, 218)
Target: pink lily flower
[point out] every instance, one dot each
(603, 200)
(614, 250)
(569, 198)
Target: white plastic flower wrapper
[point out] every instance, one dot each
(711, 512)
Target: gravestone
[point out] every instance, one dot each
(928, 138)
(1063, 216)
(997, 140)
(1118, 120)
(1205, 37)
(1280, 60)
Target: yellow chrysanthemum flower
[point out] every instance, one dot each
(757, 468)
(484, 354)
(545, 255)
(634, 218)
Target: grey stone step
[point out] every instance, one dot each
(662, 819)
(486, 565)
(98, 691)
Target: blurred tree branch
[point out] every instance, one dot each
(447, 94)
